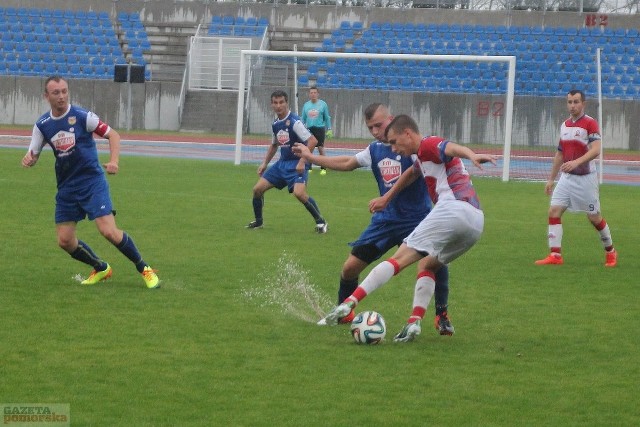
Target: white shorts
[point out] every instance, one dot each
(450, 230)
(577, 193)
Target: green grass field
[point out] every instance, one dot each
(224, 341)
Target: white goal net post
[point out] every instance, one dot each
(262, 72)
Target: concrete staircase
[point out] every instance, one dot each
(204, 109)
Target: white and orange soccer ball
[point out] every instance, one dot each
(368, 327)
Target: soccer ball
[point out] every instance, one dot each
(368, 327)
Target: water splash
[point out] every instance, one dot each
(287, 288)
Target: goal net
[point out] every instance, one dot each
(466, 99)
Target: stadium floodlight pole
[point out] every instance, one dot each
(511, 60)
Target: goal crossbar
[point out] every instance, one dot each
(510, 60)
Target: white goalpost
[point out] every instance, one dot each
(456, 116)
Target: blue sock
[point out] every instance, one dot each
(84, 253)
(128, 249)
(258, 203)
(313, 209)
(441, 293)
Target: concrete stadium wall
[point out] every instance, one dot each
(155, 105)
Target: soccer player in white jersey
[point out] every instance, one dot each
(83, 190)
(577, 189)
(454, 225)
(388, 227)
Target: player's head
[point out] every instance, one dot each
(403, 135)
(377, 118)
(314, 93)
(280, 103)
(576, 103)
(56, 92)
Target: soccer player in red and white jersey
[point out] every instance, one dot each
(454, 225)
(577, 188)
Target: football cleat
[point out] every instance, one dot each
(409, 332)
(322, 228)
(97, 276)
(323, 171)
(340, 312)
(150, 278)
(348, 318)
(254, 224)
(553, 258)
(612, 259)
(443, 324)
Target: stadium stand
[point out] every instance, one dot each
(230, 26)
(549, 60)
(31, 46)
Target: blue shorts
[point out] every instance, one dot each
(92, 201)
(282, 174)
(385, 234)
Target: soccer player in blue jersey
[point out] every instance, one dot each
(289, 170)
(315, 116)
(390, 226)
(83, 190)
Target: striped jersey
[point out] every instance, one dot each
(575, 139)
(446, 177)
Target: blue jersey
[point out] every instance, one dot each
(71, 137)
(287, 132)
(387, 166)
(390, 226)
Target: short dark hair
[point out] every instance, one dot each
(401, 123)
(280, 94)
(576, 92)
(371, 110)
(54, 78)
(314, 87)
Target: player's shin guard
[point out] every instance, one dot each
(555, 234)
(441, 293)
(129, 249)
(605, 235)
(85, 254)
(423, 292)
(347, 287)
(313, 209)
(380, 275)
(258, 203)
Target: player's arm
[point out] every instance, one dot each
(114, 151)
(35, 147)
(267, 158)
(592, 153)
(338, 163)
(456, 150)
(327, 121)
(406, 179)
(555, 168)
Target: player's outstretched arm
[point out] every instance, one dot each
(456, 150)
(114, 152)
(338, 163)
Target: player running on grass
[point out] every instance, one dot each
(288, 170)
(83, 190)
(391, 225)
(453, 226)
